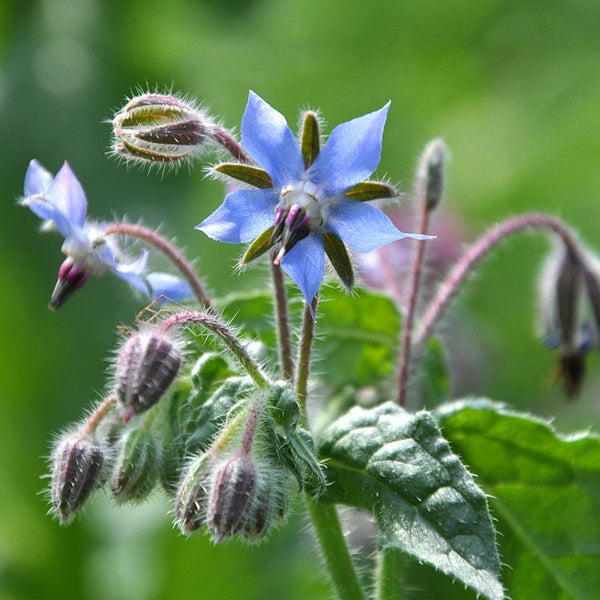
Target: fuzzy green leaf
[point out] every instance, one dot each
(311, 139)
(371, 190)
(545, 490)
(399, 466)
(340, 261)
(263, 243)
(252, 175)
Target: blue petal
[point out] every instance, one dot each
(170, 286)
(130, 272)
(243, 215)
(37, 179)
(67, 195)
(48, 212)
(364, 227)
(305, 264)
(270, 142)
(351, 153)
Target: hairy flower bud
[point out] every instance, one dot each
(191, 496)
(159, 128)
(146, 366)
(136, 467)
(77, 465)
(231, 497)
(71, 276)
(430, 173)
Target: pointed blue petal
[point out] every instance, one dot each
(364, 227)
(37, 179)
(243, 215)
(351, 153)
(67, 195)
(305, 264)
(130, 272)
(270, 142)
(48, 212)
(170, 286)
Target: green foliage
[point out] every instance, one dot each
(545, 491)
(399, 466)
(434, 383)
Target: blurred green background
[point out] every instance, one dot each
(512, 86)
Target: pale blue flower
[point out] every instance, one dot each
(304, 204)
(60, 201)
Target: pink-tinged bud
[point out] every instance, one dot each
(77, 466)
(71, 276)
(231, 497)
(146, 366)
(160, 128)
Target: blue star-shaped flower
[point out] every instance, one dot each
(60, 201)
(305, 204)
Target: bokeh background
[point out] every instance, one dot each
(512, 86)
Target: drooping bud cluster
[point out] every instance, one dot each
(78, 463)
(567, 279)
(146, 366)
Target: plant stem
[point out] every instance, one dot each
(159, 242)
(306, 340)
(413, 296)
(451, 285)
(223, 137)
(96, 417)
(211, 322)
(283, 327)
(335, 551)
(389, 575)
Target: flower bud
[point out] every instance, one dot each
(430, 173)
(159, 128)
(77, 465)
(71, 276)
(231, 497)
(191, 496)
(136, 468)
(146, 366)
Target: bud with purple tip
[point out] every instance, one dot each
(77, 470)
(146, 366)
(71, 276)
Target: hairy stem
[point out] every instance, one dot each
(223, 137)
(304, 352)
(389, 575)
(452, 284)
(159, 242)
(337, 557)
(283, 328)
(96, 417)
(217, 327)
(413, 296)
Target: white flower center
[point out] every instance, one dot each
(307, 197)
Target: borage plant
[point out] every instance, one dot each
(220, 420)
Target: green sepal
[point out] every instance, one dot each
(338, 255)
(263, 243)
(284, 405)
(254, 176)
(311, 139)
(371, 190)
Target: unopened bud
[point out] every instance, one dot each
(76, 472)
(571, 371)
(159, 128)
(71, 276)
(190, 501)
(137, 466)
(430, 173)
(231, 497)
(146, 366)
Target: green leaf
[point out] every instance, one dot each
(371, 190)
(546, 493)
(433, 374)
(252, 175)
(338, 255)
(311, 139)
(357, 334)
(399, 466)
(284, 406)
(263, 243)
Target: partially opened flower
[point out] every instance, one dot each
(60, 201)
(310, 201)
